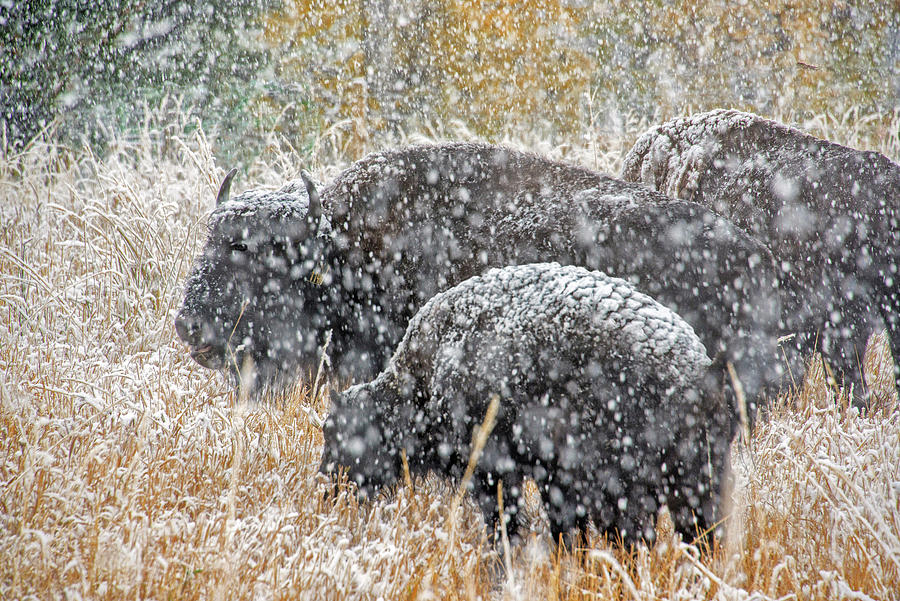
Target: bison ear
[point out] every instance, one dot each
(225, 188)
(315, 204)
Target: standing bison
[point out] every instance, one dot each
(282, 268)
(605, 402)
(830, 214)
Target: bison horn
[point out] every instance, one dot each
(315, 204)
(225, 188)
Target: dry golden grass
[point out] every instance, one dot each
(127, 471)
(817, 502)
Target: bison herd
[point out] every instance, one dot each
(610, 316)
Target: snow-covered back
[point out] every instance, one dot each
(566, 307)
(604, 400)
(672, 157)
(829, 213)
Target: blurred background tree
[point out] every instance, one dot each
(493, 65)
(90, 66)
(776, 56)
(382, 67)
(557, 65)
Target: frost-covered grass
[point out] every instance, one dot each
(128, 471)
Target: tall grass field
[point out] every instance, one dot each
(129, 472)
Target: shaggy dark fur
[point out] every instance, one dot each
(400, 226)
(604, 402)
(253, 302)
(830, 214)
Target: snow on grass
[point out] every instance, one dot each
(818, 500)
(128, 471)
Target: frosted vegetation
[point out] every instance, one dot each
(369, 68)
(129, 470)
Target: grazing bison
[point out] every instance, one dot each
(254, 293)
(605, 401)
(282, 268)
(830, 214)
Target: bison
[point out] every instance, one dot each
(829, 213)
(606, 402)
(282, 268)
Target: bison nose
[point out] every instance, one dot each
(189, 328)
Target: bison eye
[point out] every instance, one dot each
(238, 247)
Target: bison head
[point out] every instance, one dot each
(259, 289)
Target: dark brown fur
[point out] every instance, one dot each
(489, 206)
(604, 402)
(407, 224)
(830, 214)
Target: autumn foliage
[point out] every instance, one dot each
(556, 65)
